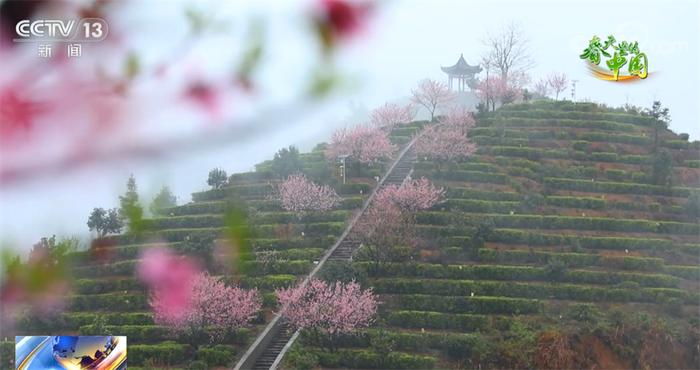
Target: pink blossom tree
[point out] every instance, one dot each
(390, 115)
(412, 195)
(445, 143)
(497, 89)
(542, 88)
(432, 95)
(490, 90)
(387, 228)
(364, 144)
(301, 195)
(327, 309)
(385, 231)
(558, 83)
(212, 306)
(460, 117)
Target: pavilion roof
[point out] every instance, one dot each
(461, 68)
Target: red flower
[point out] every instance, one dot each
(340, 19)
(343, 17)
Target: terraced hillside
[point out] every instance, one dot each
(107, 298)
(553, 249)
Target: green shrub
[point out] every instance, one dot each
(298, 358)
(216, 356)
(436, 320)
(482, 305)
(365, 359)
(166, 353)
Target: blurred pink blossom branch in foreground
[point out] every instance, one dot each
(115, 104)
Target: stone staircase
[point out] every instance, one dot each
(268, 349)
(397, 176)
(273, 349)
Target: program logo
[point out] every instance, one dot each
(58, 30)
(617, 54)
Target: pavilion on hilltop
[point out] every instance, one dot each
(463, 73)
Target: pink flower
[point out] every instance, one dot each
(17, 113)
(206, 96)
(412, 195)
(392, 114)
(211, 304)
(333, 307)
(364, 144)
(170, 278)
(445, 142)
(298, 194)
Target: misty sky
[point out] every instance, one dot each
(407, 41)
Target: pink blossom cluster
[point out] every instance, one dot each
(363, 143)
(459, 116)
(299, 194)
(412, 195)
(335, 308)
(445, 142)
(384, 225)
(391, 115)
(213, 305)
(504, 90)
(170, 278)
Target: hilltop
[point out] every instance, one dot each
(559, 244)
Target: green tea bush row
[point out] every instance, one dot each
(477, 305)
(510, 272)
(216, 356)
(523, 290)
(118, 268)
(111, 318)
(615, 187)
(685, 272)
(365, 359)
(583, 116)
(556, 105)
(135, 333)
(513, 236)
(471, 165)
(169, 352)
(575, 202)
(92, 286)
(269, 244)
(536, 154)
(469, 193)
(473, 176)
(560, 123)
(558, 134)
(570, 259)
(269, 282)
(469, 205)
(561, 222)
(257, 268)
(436, 320)
(459, 346)
(110, 301)
(290, 217)
(220, 207)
